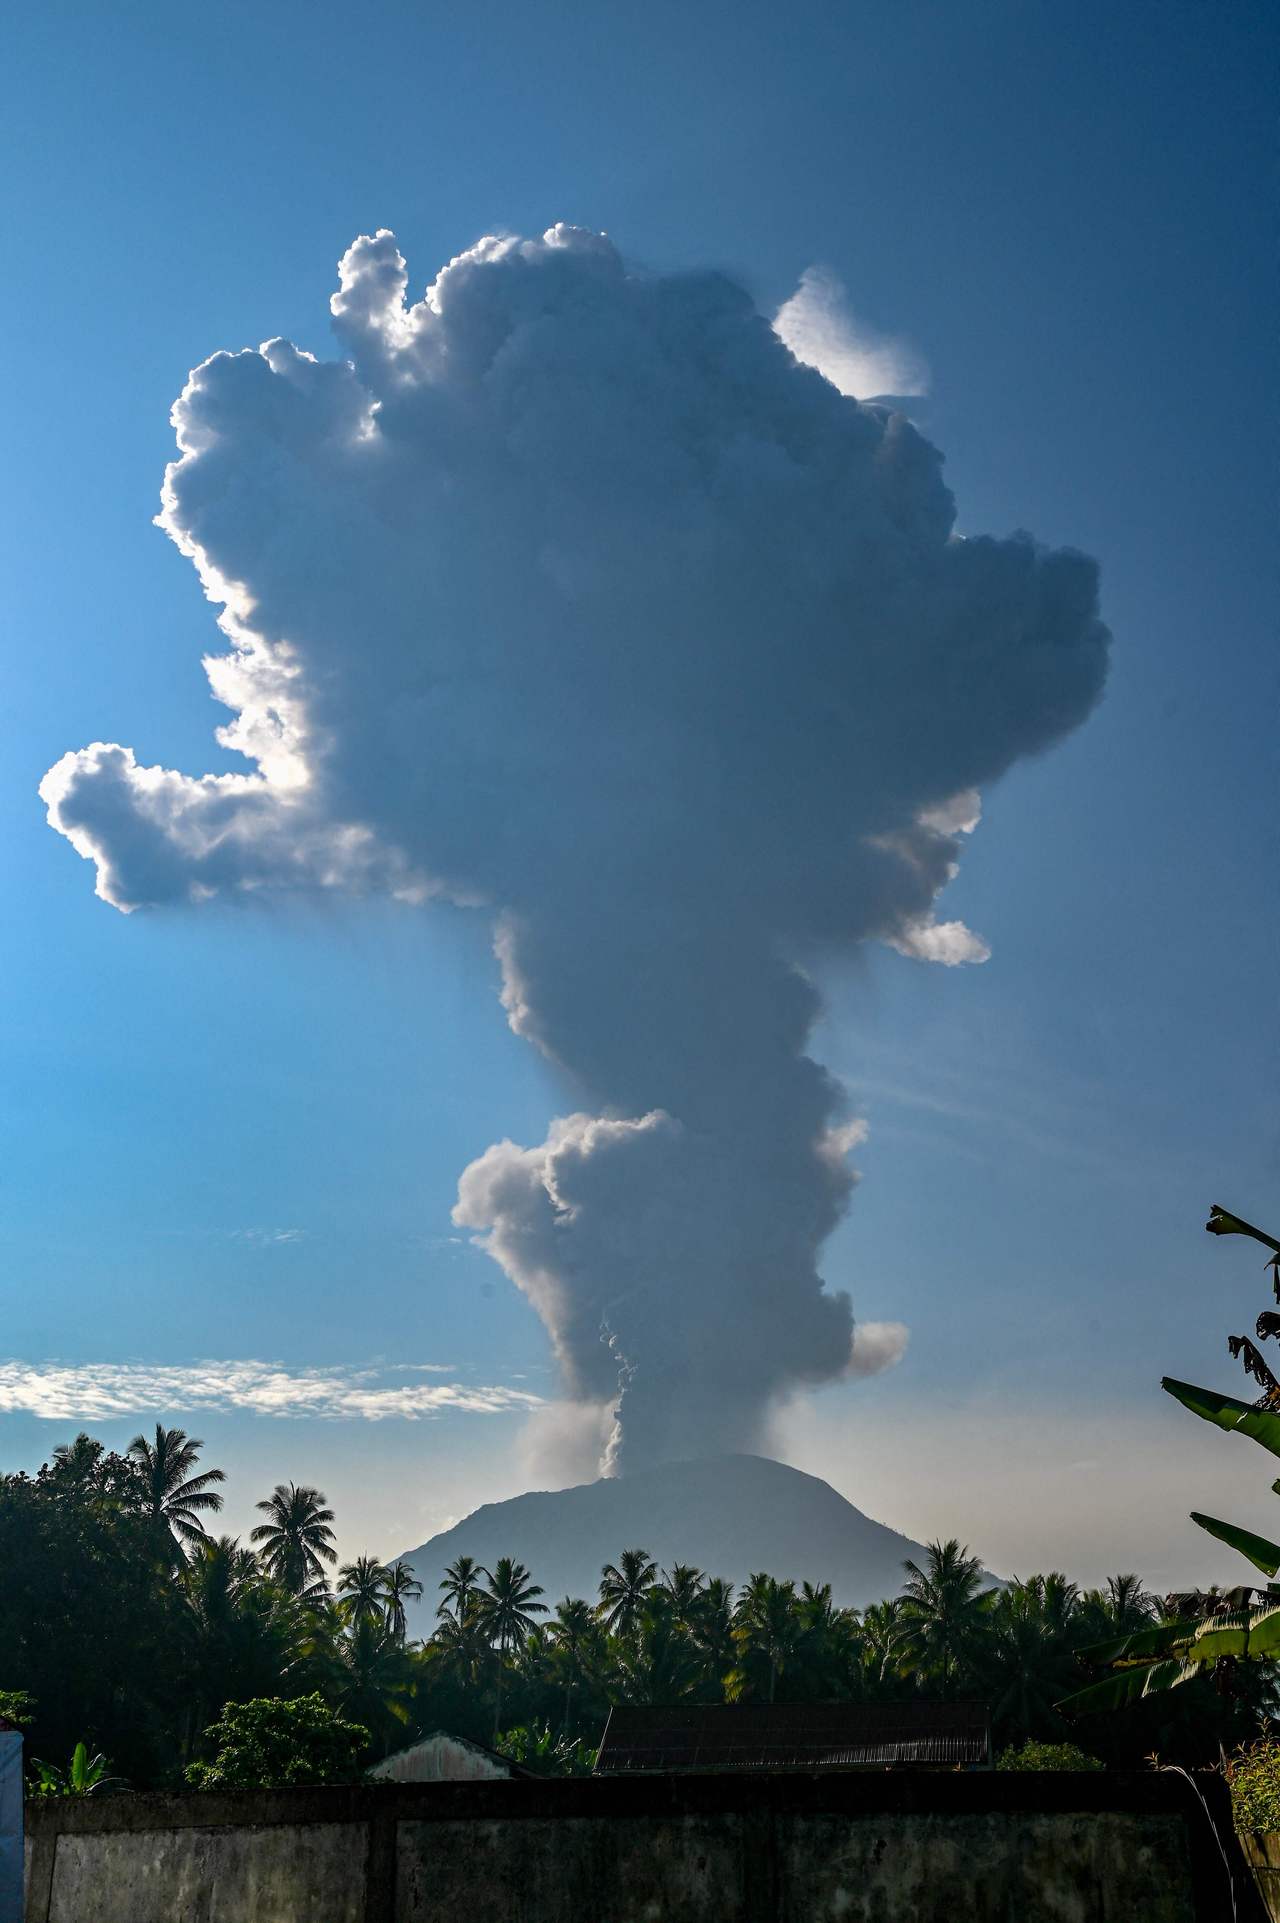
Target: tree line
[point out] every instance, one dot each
(126, 1624)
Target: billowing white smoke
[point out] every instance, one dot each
(572, 595)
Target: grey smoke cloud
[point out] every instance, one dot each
(570, 594)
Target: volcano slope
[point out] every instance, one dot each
(729, 1515)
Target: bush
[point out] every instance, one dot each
(17, 1706)
(1047, 1756)
(1253, 1777)
(548, 1755)
(270, 1744)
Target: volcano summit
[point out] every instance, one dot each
(728, 1515)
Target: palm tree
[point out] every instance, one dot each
(401, 1587)
(462, 1587)
(683, 1583)
(75, 1462)
(943, 1610)
(509, 1603)
(462, 1647)
(657, 1663)
(507, 1609)
(623, 1589)
(242, 1632)
(373, 1678)
(175, 1497)
(296, 1540)
(1028, 1658)
(766, 1632)
(881, 1628)
(362, 1587)
(574, 1638)
(712, 1630)
(1119, 1609)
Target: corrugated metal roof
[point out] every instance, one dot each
(763, 1736)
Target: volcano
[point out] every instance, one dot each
(729, 1515)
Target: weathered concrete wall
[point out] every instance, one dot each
(724, 1849)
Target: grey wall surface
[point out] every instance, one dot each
(10, 1824)
(879, 1848)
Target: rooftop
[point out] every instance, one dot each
(764, 1736)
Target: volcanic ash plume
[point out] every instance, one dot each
(572, 595)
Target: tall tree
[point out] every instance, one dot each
(1028, 1660)
(402, 1587)
(1118, 1609)
(712, 1631)
(461, 1588)
(656, 1662)
(881, 1634)
(767, 1631)
(509, 1603)
(683, 1583)
(176, 1497)
(624, 1585)
(944, 1607)
(75, 1463)
(296, 1540)
(243, 1634)
(507, 1609)
(362, 1587)
(575, 1636)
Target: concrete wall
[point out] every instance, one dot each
(723, 1849)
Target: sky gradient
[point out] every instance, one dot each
(237, 1135)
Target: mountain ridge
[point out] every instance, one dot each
(730, 1515)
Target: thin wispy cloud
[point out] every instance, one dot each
(87, 1390)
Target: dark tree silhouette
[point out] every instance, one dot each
(176, 1497)
(296, 1540)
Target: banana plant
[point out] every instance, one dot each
(83, 1775)
(1210, 1631)
(1258, 1420)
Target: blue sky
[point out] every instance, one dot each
(237, 1134)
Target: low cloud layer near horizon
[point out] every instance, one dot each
(572, 595)
(87, 1391)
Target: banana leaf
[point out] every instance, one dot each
(1220, 1636)
(1264, 1632)
(1227, 1412)
(1161, 1639)
(1126, 1686)
(1262, 1554)
(1223, 1222)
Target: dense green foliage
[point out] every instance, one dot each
(270, 1744)
(542, 1749)
(136, 1636)
(1048, 1756)
(1253, 1776)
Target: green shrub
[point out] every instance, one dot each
(272, 1743)
(17, 1707)
(1047, 1756)
(549, 1755)
(1253, 1777)
(83, 1776)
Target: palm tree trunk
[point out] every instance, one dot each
(497, 1705)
